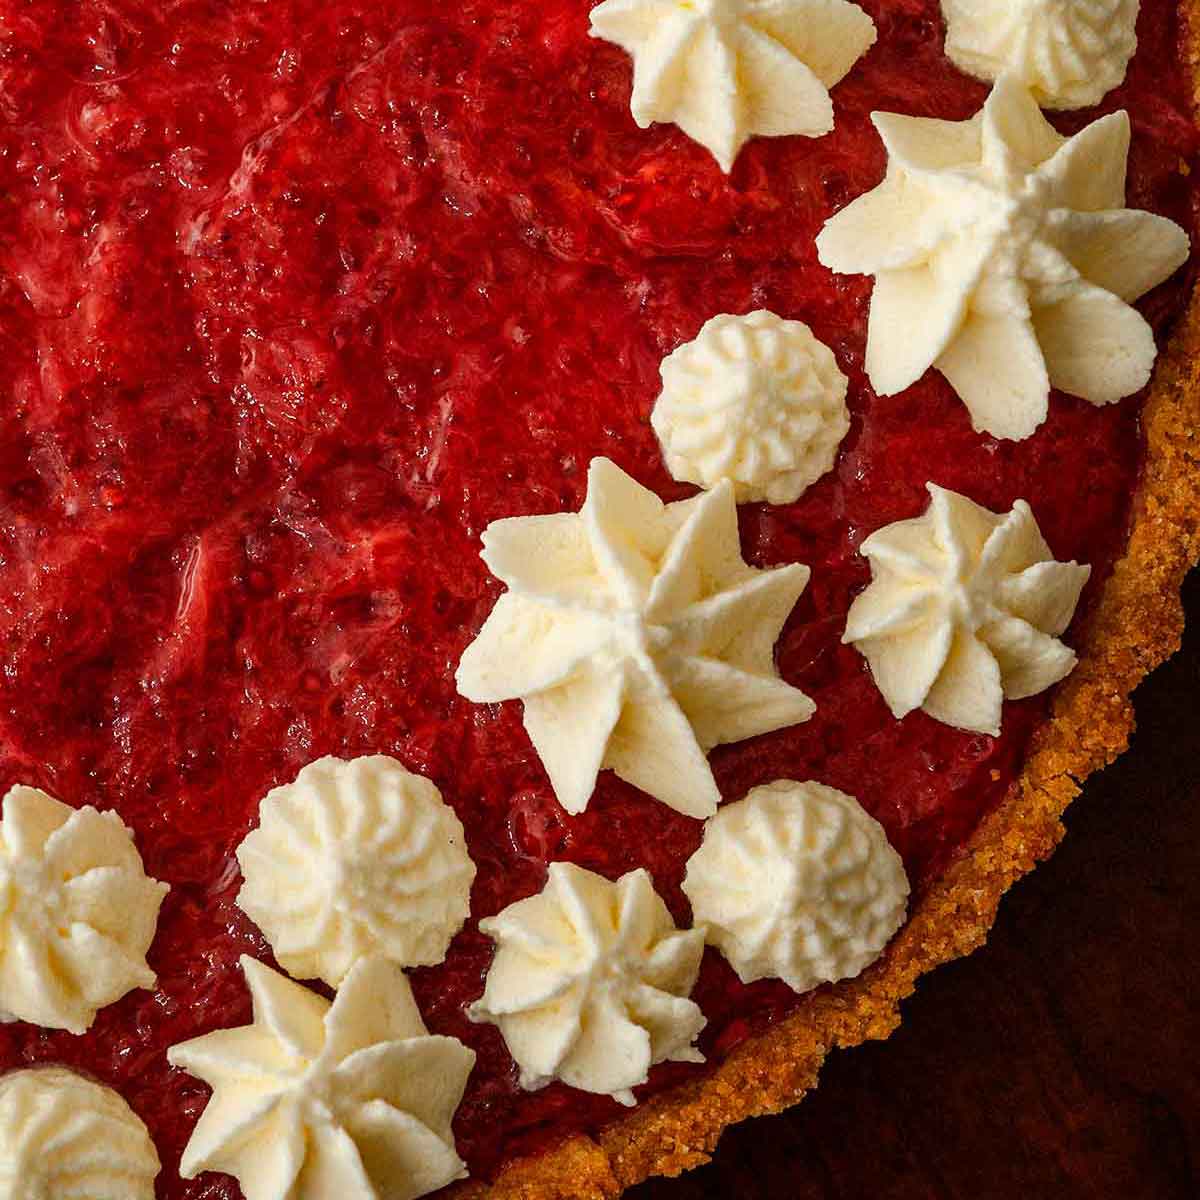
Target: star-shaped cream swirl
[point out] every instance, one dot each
(77, 912)
(725, 71)
(590, 982)
(313, 1100)
(1004, 256)
(637, 638)
(965, 607)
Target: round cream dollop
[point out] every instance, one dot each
(965, 607)
(756, 400)
(1005, 257)
(352, 1100)
(63, 1137)
(1070, 53)
(727, 70)
(77, 912)
(590, 983)
(797, 882)
(637, 637)
(354, 858)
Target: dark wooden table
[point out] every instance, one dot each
(1060, 1061)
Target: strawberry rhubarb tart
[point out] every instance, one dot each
(554, 555)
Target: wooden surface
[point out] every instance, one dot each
(1063, 1059)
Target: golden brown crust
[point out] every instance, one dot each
(1136, 626)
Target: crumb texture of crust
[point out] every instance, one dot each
(1136, 625)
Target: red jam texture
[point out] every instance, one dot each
(295, 298)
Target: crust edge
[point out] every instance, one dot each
(1137, 625)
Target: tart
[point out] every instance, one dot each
(298, 305)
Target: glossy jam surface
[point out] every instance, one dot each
(295, 298)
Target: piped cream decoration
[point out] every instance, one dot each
(637, 638)
(756, 400)
(965, 608)
(63, 1137)
(725, 71)
(77, 912)
(1070, 53)
(1003, 255)
(797, 882)
(313, 1101)
(590, 983)
(352, 859)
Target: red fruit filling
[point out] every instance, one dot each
(295, 298)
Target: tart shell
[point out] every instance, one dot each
(1136, 625)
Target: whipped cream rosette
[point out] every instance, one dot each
(1070, 53)
(756, 400)
(796, 881)
(64, 1137)
(354, 858)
